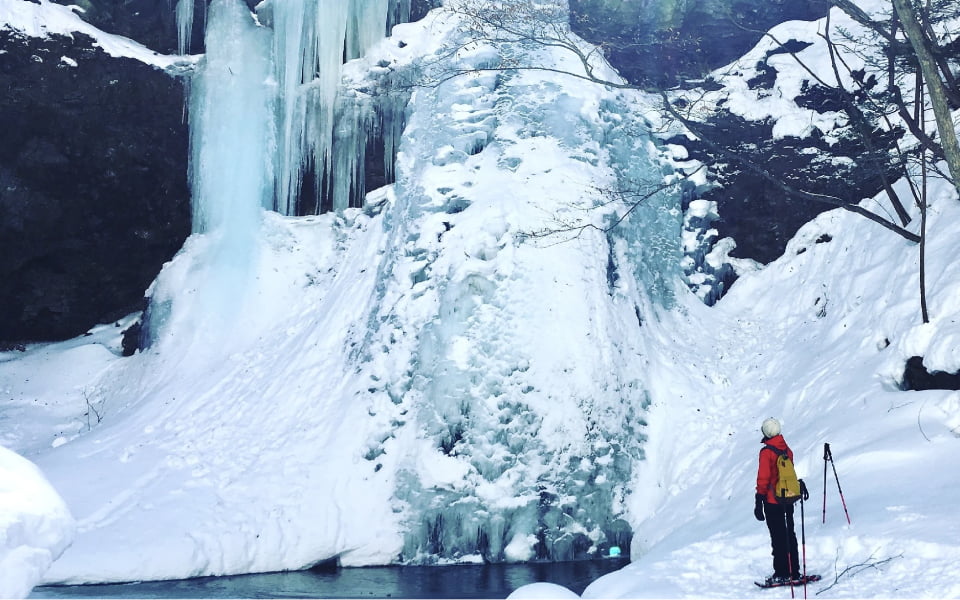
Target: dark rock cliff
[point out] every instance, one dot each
(93, 190)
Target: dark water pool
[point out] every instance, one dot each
(461, 581)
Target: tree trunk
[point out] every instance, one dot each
(938, 96)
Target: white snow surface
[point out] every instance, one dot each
(267, 429)
(35, 525)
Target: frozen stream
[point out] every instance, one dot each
(463, 581)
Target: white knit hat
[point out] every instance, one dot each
(770, 427)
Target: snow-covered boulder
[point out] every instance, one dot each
(35, 525)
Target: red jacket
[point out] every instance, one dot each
(767, 471)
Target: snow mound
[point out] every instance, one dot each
(35, 525)
(542, 590)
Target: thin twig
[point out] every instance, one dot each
(857, 568)
(919, 426)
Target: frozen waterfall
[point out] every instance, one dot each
(231, 136)
(504, 415)
(267, 109)
(307, 42)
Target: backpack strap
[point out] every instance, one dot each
(776, 450)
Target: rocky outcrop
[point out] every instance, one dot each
(664, 42)
(153, 23)
(753, 211)
(917, 377)
(93, 189)
(676, 43)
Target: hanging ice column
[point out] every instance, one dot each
(231, 152)
(231, 132)
(185, 9)
(311, 41)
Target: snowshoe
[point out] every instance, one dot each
(772, 582)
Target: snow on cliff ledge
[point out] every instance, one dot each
(46, 18)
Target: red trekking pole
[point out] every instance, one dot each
(803, 541)
(827, 455)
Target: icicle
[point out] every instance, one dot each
(367, 25)
(311, 40)
(391, 112)
(355, 120)
(400, 13)
(184, 25)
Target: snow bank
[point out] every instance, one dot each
(542, 590)
(35, 525)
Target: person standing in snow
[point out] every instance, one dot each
(779, 517)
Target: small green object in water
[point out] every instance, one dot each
(614, 550)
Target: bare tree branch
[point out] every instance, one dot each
(857, 568)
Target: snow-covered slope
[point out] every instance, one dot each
(819, 339)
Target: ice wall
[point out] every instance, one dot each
(507, 372)
(647, 231)
(516, 458)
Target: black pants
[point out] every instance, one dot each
(783, 539)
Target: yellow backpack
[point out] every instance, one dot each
(787, 489)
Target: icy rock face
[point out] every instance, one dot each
(35, 525)
(510, 417)
(647, 233)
